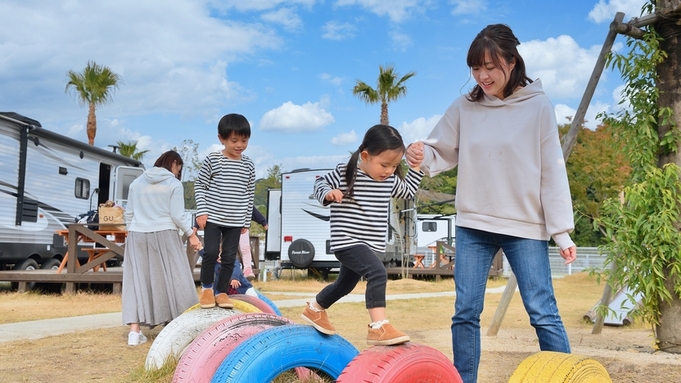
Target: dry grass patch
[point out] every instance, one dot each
(22, 307)
(103, 355)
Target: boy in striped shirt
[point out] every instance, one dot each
(224, 193)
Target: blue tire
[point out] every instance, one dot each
(264, 356)
(269, 303)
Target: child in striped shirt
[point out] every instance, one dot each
(224, 190)
(359, 193)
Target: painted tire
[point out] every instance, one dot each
(550, 366)
(269, 302)
(255, 301)
(265, 355)
(205, 354)
(239, 305)
(406, 363)
(180, 332)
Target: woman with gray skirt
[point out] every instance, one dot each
(158, 284)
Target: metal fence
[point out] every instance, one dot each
(587, 258)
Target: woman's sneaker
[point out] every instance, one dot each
(136, 338)
(318, 320)
(386, 335)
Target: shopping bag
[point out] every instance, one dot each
(111, 218)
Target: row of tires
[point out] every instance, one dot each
(254, 343)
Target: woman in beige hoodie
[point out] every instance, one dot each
(512, 191)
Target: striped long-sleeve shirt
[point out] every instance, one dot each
(225, 190)
(363, 217)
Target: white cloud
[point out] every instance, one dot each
(419, 129)
(396, 10)
(334, 30)
(467, 7)
(290, 117)
(313, 162)
(400, 41)
(256, 5)
(565, 114)
(335, 80)
(604, 11)
(562, 65)
(286, 17)
(171, 58)
(345, 139)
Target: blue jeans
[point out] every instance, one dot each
(529, 260)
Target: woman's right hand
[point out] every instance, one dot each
(194, 242)
(415, 154)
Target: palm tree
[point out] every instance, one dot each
(388, 88)
(130, 150)
(93, 86)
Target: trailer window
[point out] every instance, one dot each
(82, 190)
(429, 226)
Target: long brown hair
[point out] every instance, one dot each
(499, 41)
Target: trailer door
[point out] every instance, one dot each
(123, 177)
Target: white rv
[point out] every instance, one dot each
(299, 231)
(431, 228)
(46, 180)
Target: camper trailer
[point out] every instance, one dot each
(46, 180)
(299, 231)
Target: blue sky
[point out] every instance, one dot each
(289, 66)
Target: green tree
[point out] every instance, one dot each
(388, 88)
(597, 170)
(271, 181)
(130, 150)
(93, 86)
(643, 227)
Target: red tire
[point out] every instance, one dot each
(406, 363)
(255, 301)
(204, 355)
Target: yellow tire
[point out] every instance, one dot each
(558, 367)
(238, 305)
(245, 307)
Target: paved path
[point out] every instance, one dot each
(49, 327)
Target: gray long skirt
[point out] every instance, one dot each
(158, 284)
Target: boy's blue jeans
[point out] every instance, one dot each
(529, 260)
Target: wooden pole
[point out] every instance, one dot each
(605, 300)
(501, 309)
(568, 144)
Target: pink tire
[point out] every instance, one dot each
(205, 354)
(406, 363)
(255, 301)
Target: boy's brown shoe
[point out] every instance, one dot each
(207, 299)
(386, 335)
(318, 320)
(223, 301)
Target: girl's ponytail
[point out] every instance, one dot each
(351, 171)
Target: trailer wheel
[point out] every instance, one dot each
(410, 362)
(29, 264)
(51, 264)
(265, 355)
(301, 253)
(550, 366)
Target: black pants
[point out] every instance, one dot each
(356, 262)
(214, 237)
